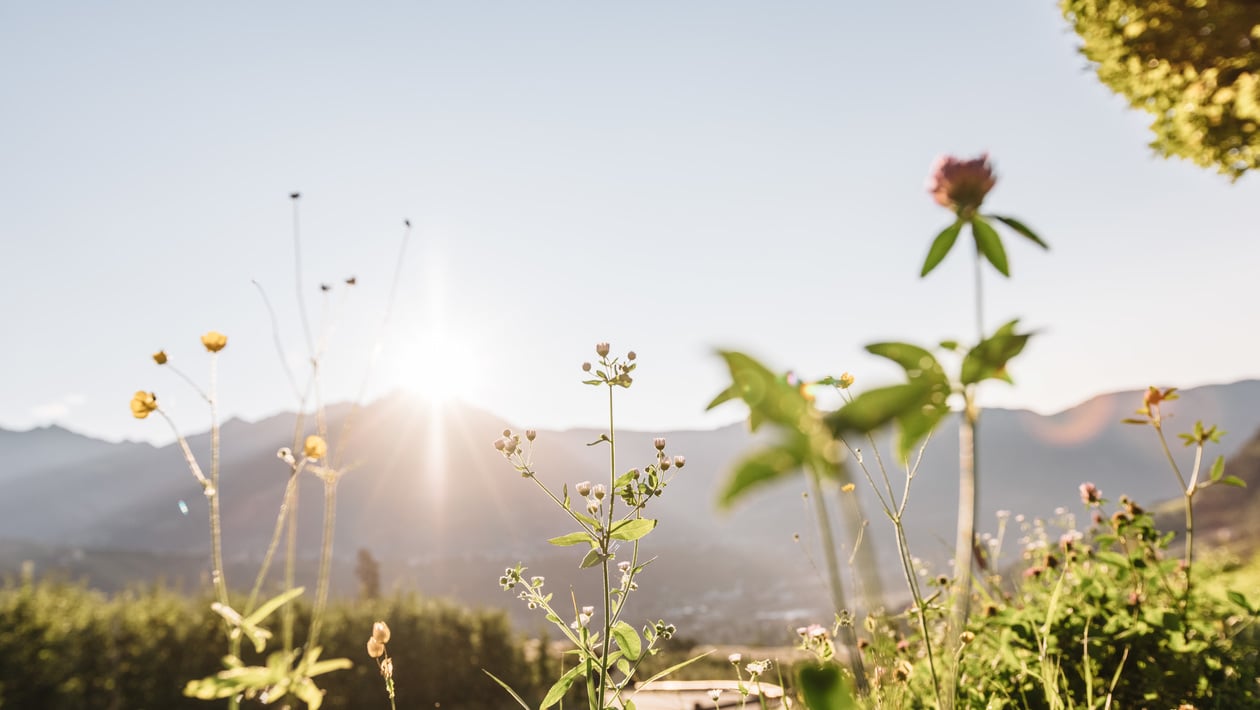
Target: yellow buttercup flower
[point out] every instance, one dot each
(315, 448)
(160, 357)
(143, 403)
(214, 341)
(848, 487)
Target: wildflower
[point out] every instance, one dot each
(160, 357)
(380, 632)
(680, 461)
(846, 381)
(500, 443)
(583, 488)
(665, 464)
(734, 658)
(592, 506)
(659, 443)
(214, 341)
(602, 349)
(315, 447)
(375, 648)
(584, 618)
(1090, 495)
(530, 434)
(714, 694)
(756, 668)
(387, 668)
(142, 403)
(967, 637)
(848, 487)
(961, 185)
(623, 566)
(599, 492)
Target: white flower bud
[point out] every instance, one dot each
(584, 488)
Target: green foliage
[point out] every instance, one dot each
(988, 242)
(1104, 614)
(63, 646)
(1193, 66)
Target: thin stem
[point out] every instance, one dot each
(325, 560)
(289, 613)
(967, 491)
(611, 497)
(979, 295)
(297, 273)
(216, 533)
(275, 543)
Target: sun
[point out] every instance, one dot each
(439, 368)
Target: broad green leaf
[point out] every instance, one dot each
(573, 538)
(988, 359)
(874, 408)
(632, 529)
(990, 244)
(768, 396)
(592, 558)
(1234, 481)
(557, 691)
(1218, 468)
(917, 362)
(940, 247)
(825, 687)
(627, 640)
(1021, 228)
(762, 467)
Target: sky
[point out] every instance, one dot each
(672, 178)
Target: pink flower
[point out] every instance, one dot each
(1090, 495)
(961, 185)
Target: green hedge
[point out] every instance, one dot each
(65, 646)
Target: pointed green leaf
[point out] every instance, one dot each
(875, 408)
(990, 244)
(768, 396)
(632, 529)
(561, 686)
(1241, 600)
(940, 247)
(764, 466)
(724, 396)
(1021, 228)
(1218, 468)
(825, 687)
(988, 359)
(1234, 481)
(627, 640)
(592, 558)
(266, 608)
(916, 361)
(573, 538)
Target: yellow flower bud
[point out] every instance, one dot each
(142, 403)
(214, 341)
(160, 357)
(315, 448)
(846, 381)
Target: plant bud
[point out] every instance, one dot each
(602, 349)
(499, 444)
(507, 433)
(586, 367)
(631, 356)
(659, 443)
(583, 489)
(375, 648)
(680, 461)
(530, 434)
(380, 632)
(665, 464)
(599, 492)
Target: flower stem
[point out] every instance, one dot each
(216, 533)
(325, 560)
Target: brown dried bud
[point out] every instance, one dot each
(680, 461)
(586, 367)
(602, 349)
(530, 434)
(375, 648)
(659, 443)
(380, 632)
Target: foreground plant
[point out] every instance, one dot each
(607, 650)
(376, 649)
(289, 671)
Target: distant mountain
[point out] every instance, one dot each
(431, 498)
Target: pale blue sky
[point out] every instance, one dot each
(668, 176)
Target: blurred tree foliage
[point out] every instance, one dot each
(65, 646)
(1192, 64)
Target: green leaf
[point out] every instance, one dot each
(1234, 481)
(874, 408)
(825, 687)
(917, 362)
(988, 359)
(768, 396)
(592, 558)
(1022, 228)
(990, 244)
(1241, 600)
(1218, 468)
(266, 608)
(671, 669)
(557, 691)
(940, 247)
(573, 538)
(725, 396)
(632, 529)
(762, 467)
(627, 640)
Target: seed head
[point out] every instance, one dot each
(380, 632)
(631, 356)
(586, 367)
